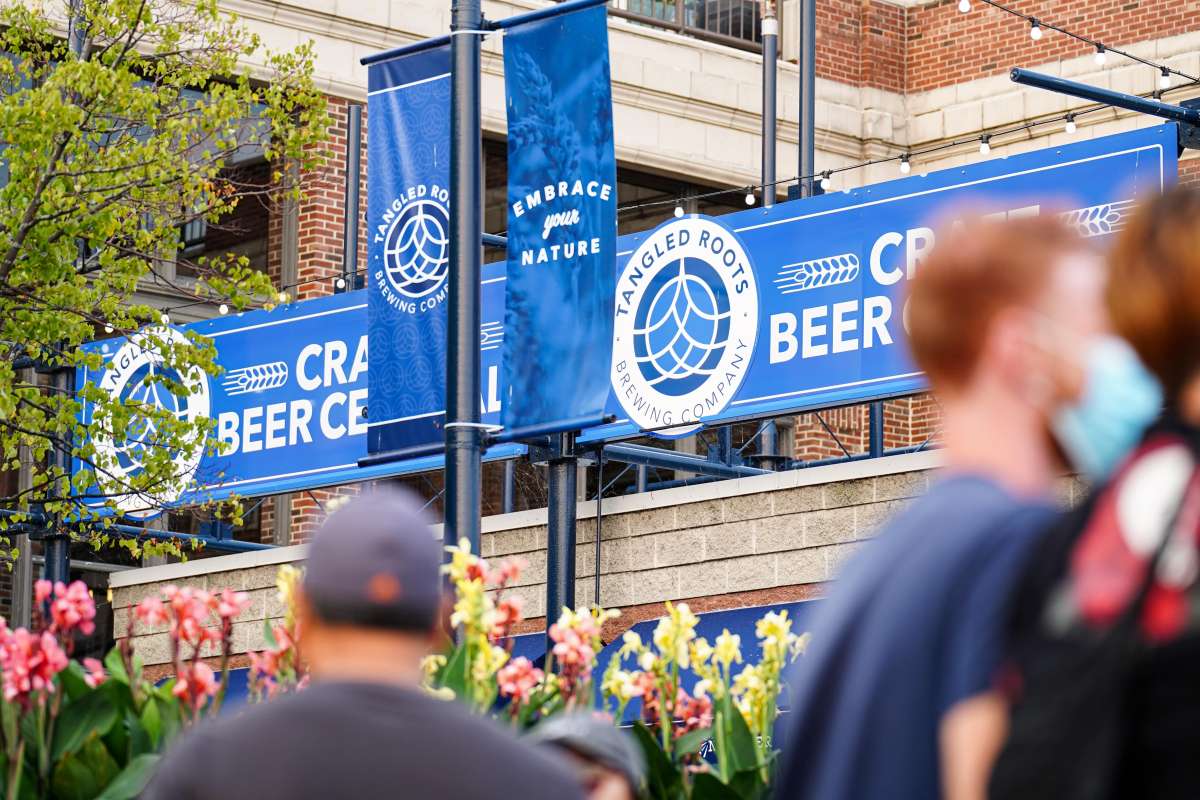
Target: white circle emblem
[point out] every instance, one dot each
(686, 320)
(136, 374)
(416, 249)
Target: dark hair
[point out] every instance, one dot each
(975, 271)
(1153, 290)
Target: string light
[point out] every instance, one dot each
(1164, 79)
(340, 283)
(108, 328)
(825, 181)
(749, 198)
(1036, 30)
(678, 211)
(964, 6)
(165, 318)
(985, 144)
(1070, 129)
(905, 165)
(282, 297)
(223, 309)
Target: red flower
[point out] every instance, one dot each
(72, 608)
(42, 591)
(231, 603)
(508, 613)
(29, 663)
(95, 672)
(195, 684)
(518, 678)
(151, 611)
(693, 712)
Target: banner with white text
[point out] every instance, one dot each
(408, 258)
(562, 219)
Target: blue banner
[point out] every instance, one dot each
(800, 306)
(562, 218)
(408, 249)
(289, 406)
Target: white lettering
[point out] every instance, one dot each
(811, 331)
(885, 277)
(783, 337)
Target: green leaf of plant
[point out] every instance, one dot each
(734, 742)
(269, 635)
(72, 680)
(664, 779)
(453, 675)
(170, 717)
(116, 666)
(707, 786)
(151, 722)
(692, 741)
(82, 775)
(91, 715)
(131, 780)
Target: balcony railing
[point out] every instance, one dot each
(730, 22)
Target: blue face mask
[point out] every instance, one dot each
(1120, 400)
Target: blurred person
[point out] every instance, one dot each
(1106, 638)
(364, 728)
(896, 696)
(608, 762)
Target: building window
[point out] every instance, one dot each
(242, 232)
(732, 22)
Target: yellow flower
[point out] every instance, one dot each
(621, 684)
(430, 665)
(773, 628)
(674, 632)
(647, 661)
(702, 688)
(701, 652)
(630, 643)
(441, 693)
(728, 649)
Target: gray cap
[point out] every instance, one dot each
(375, 562)
(596, 740)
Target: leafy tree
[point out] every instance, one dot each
(119, 123)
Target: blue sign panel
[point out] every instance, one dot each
(562, 218)
(408, 244)
(800, 306)
(290, 405)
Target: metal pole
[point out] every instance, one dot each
(599, 520)
(56, 545)
(22, 579)
(808, 94)
(463, 432)
(875, 433)
(770, 66)
(725, 445)
(641, 478)
(353, 181)
(506, 503)
(561, 474)
(768, 444)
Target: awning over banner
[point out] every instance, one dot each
(290, 405)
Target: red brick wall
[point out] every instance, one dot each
(863, 42)
(907, 422)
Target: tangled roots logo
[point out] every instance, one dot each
(416, 249)
(137, 376)
(686, 321)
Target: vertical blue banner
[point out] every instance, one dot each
(562, 219)
(408, 224)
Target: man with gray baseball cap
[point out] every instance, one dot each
(368, 613)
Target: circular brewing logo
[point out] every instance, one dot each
(685, 325)
(416, 249)
(136, 375)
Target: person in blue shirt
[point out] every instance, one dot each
(897, 695)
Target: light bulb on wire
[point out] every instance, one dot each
(1070, 129)
(222, 309)
(1035, 30)
(340, 283)
(825, 181)
(905, 164)
(1101, 55)
(678, 211)
(985, 145)
(1164, 79)
(108, 328)
(964, 6)
(750, 197)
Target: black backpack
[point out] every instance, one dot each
(1068, 724)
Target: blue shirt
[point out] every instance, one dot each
(914, 625)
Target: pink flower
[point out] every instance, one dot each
(195, 684)
(694, 712)
(508, 613)
(231, 603)
(190, 610)
(508, 572)
(151, 612)
(95, 672)
(29, 663)
(42, 591)
(518, 678)
(73, 608)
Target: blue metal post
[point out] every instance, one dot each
(353, 181)
(562, 475)
(875, 430)
(1097, 94)
(507, 503)
(463, 432)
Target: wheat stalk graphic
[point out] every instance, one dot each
(817, 273)
(256, 378)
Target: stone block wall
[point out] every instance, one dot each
(726, 544)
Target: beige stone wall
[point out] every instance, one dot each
(739, 540)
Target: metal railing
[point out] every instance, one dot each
(730, 22)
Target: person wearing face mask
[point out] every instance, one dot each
(896, 696)
(1106, 627)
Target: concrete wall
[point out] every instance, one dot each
(732, 543)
